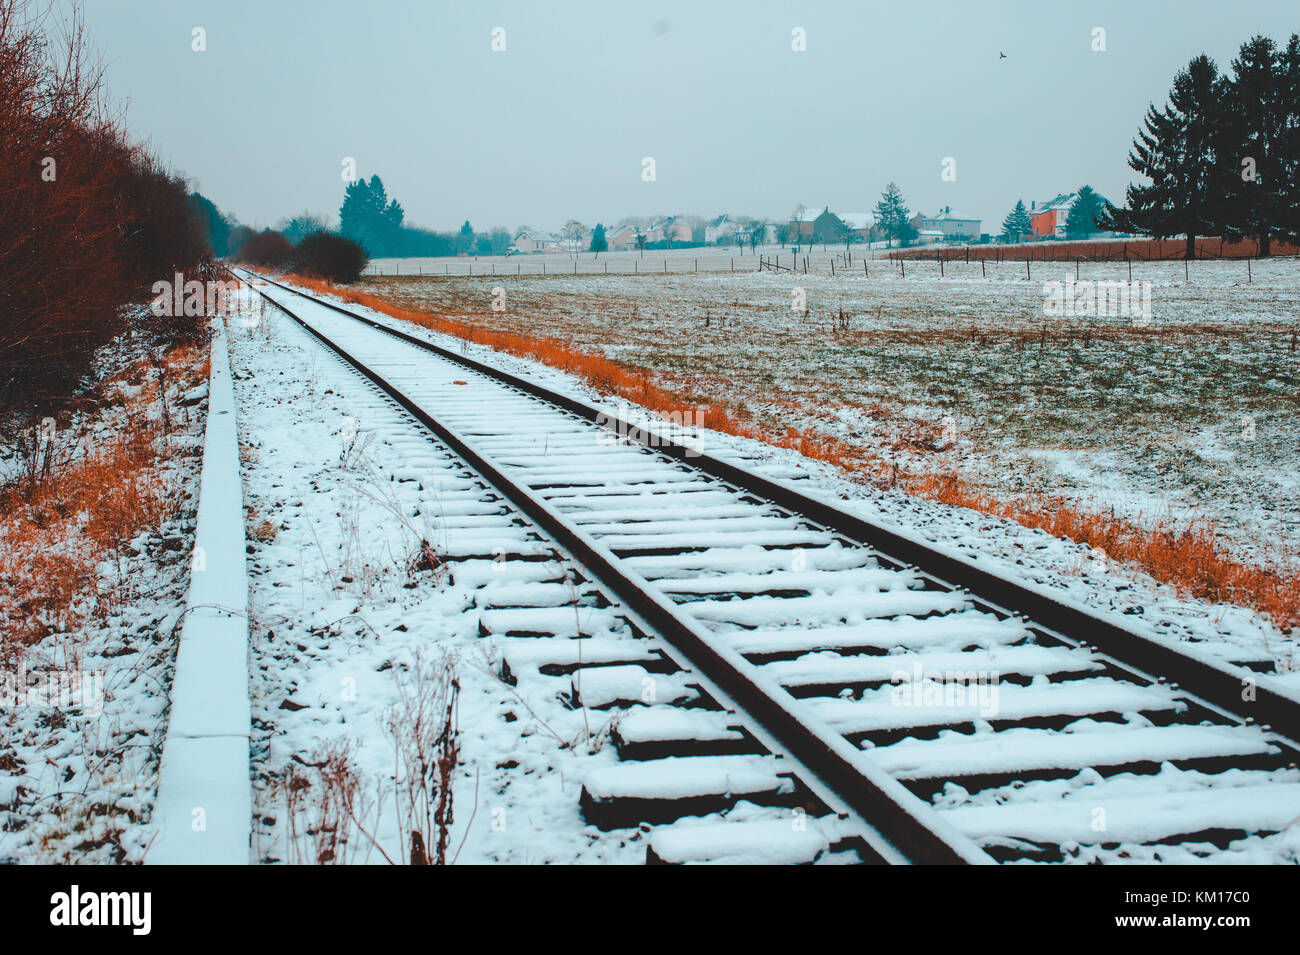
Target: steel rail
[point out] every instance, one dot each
(1235, 691)
(881, 804)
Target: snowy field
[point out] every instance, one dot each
(1190, 416)
(628, 262)
(347, 624)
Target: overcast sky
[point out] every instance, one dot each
(557, 125)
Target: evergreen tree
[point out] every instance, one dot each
(465, 238)
(893, 217)
(215, 225)
(1251, 142)
(1175, 151)
(1017, 224)
(370, 217)
(598, 241)
(1288, 78)
(1082, 220)
(303, 225)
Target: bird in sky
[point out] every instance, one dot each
(1002, 56)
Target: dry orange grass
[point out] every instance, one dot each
(54, 536)
(1190, 558)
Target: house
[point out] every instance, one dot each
(766, 234)
(951, 226)
(666, 228)
(802, 223)
(721, 228)
(1047, 219)
(859, 224)
(536, 241)
(621, 239)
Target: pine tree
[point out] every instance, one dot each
(1250, 144)
(368, 216)
(1017, 224)
(1288, 78)
(1175, 151)
(1082, 220)
(465, 237)
(598, 241)
(892, 215)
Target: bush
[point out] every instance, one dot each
(87, 221)
(328, 255)
(267, 248)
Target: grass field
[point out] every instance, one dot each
(1190, 418)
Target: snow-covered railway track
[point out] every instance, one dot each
(890, 697)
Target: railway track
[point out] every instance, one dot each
(826, 688)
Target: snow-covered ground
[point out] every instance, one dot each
(1190, 416)
(347, 622)
(83, 712)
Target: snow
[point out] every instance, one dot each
(1076, 747)
(526, 744)
(204, 810)
(684, 777)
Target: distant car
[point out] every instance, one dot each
(513, 250)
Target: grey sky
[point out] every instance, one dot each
(556, 126)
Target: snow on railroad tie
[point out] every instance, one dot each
(908, 705)
(658, 732)
(663, 790)
(1089, 744)
(603, 687)
(806, 582)
(549, 622)
(831, 671)
(955, 631)
(504, 593)
(748, 558)
(1148, 818)
(762, 842)
(632, 499)
(558, 657)
(600, 519)
(634, 544)
(827, 609)
(473, 574)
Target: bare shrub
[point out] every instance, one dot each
(423, 727)
(327, 800)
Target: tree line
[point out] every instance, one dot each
(1222, 155)
(88, 220)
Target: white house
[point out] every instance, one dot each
(668, 227)
(621, 239)
(721, 228)
(537, 241)
(859, 224)
(948, 224)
